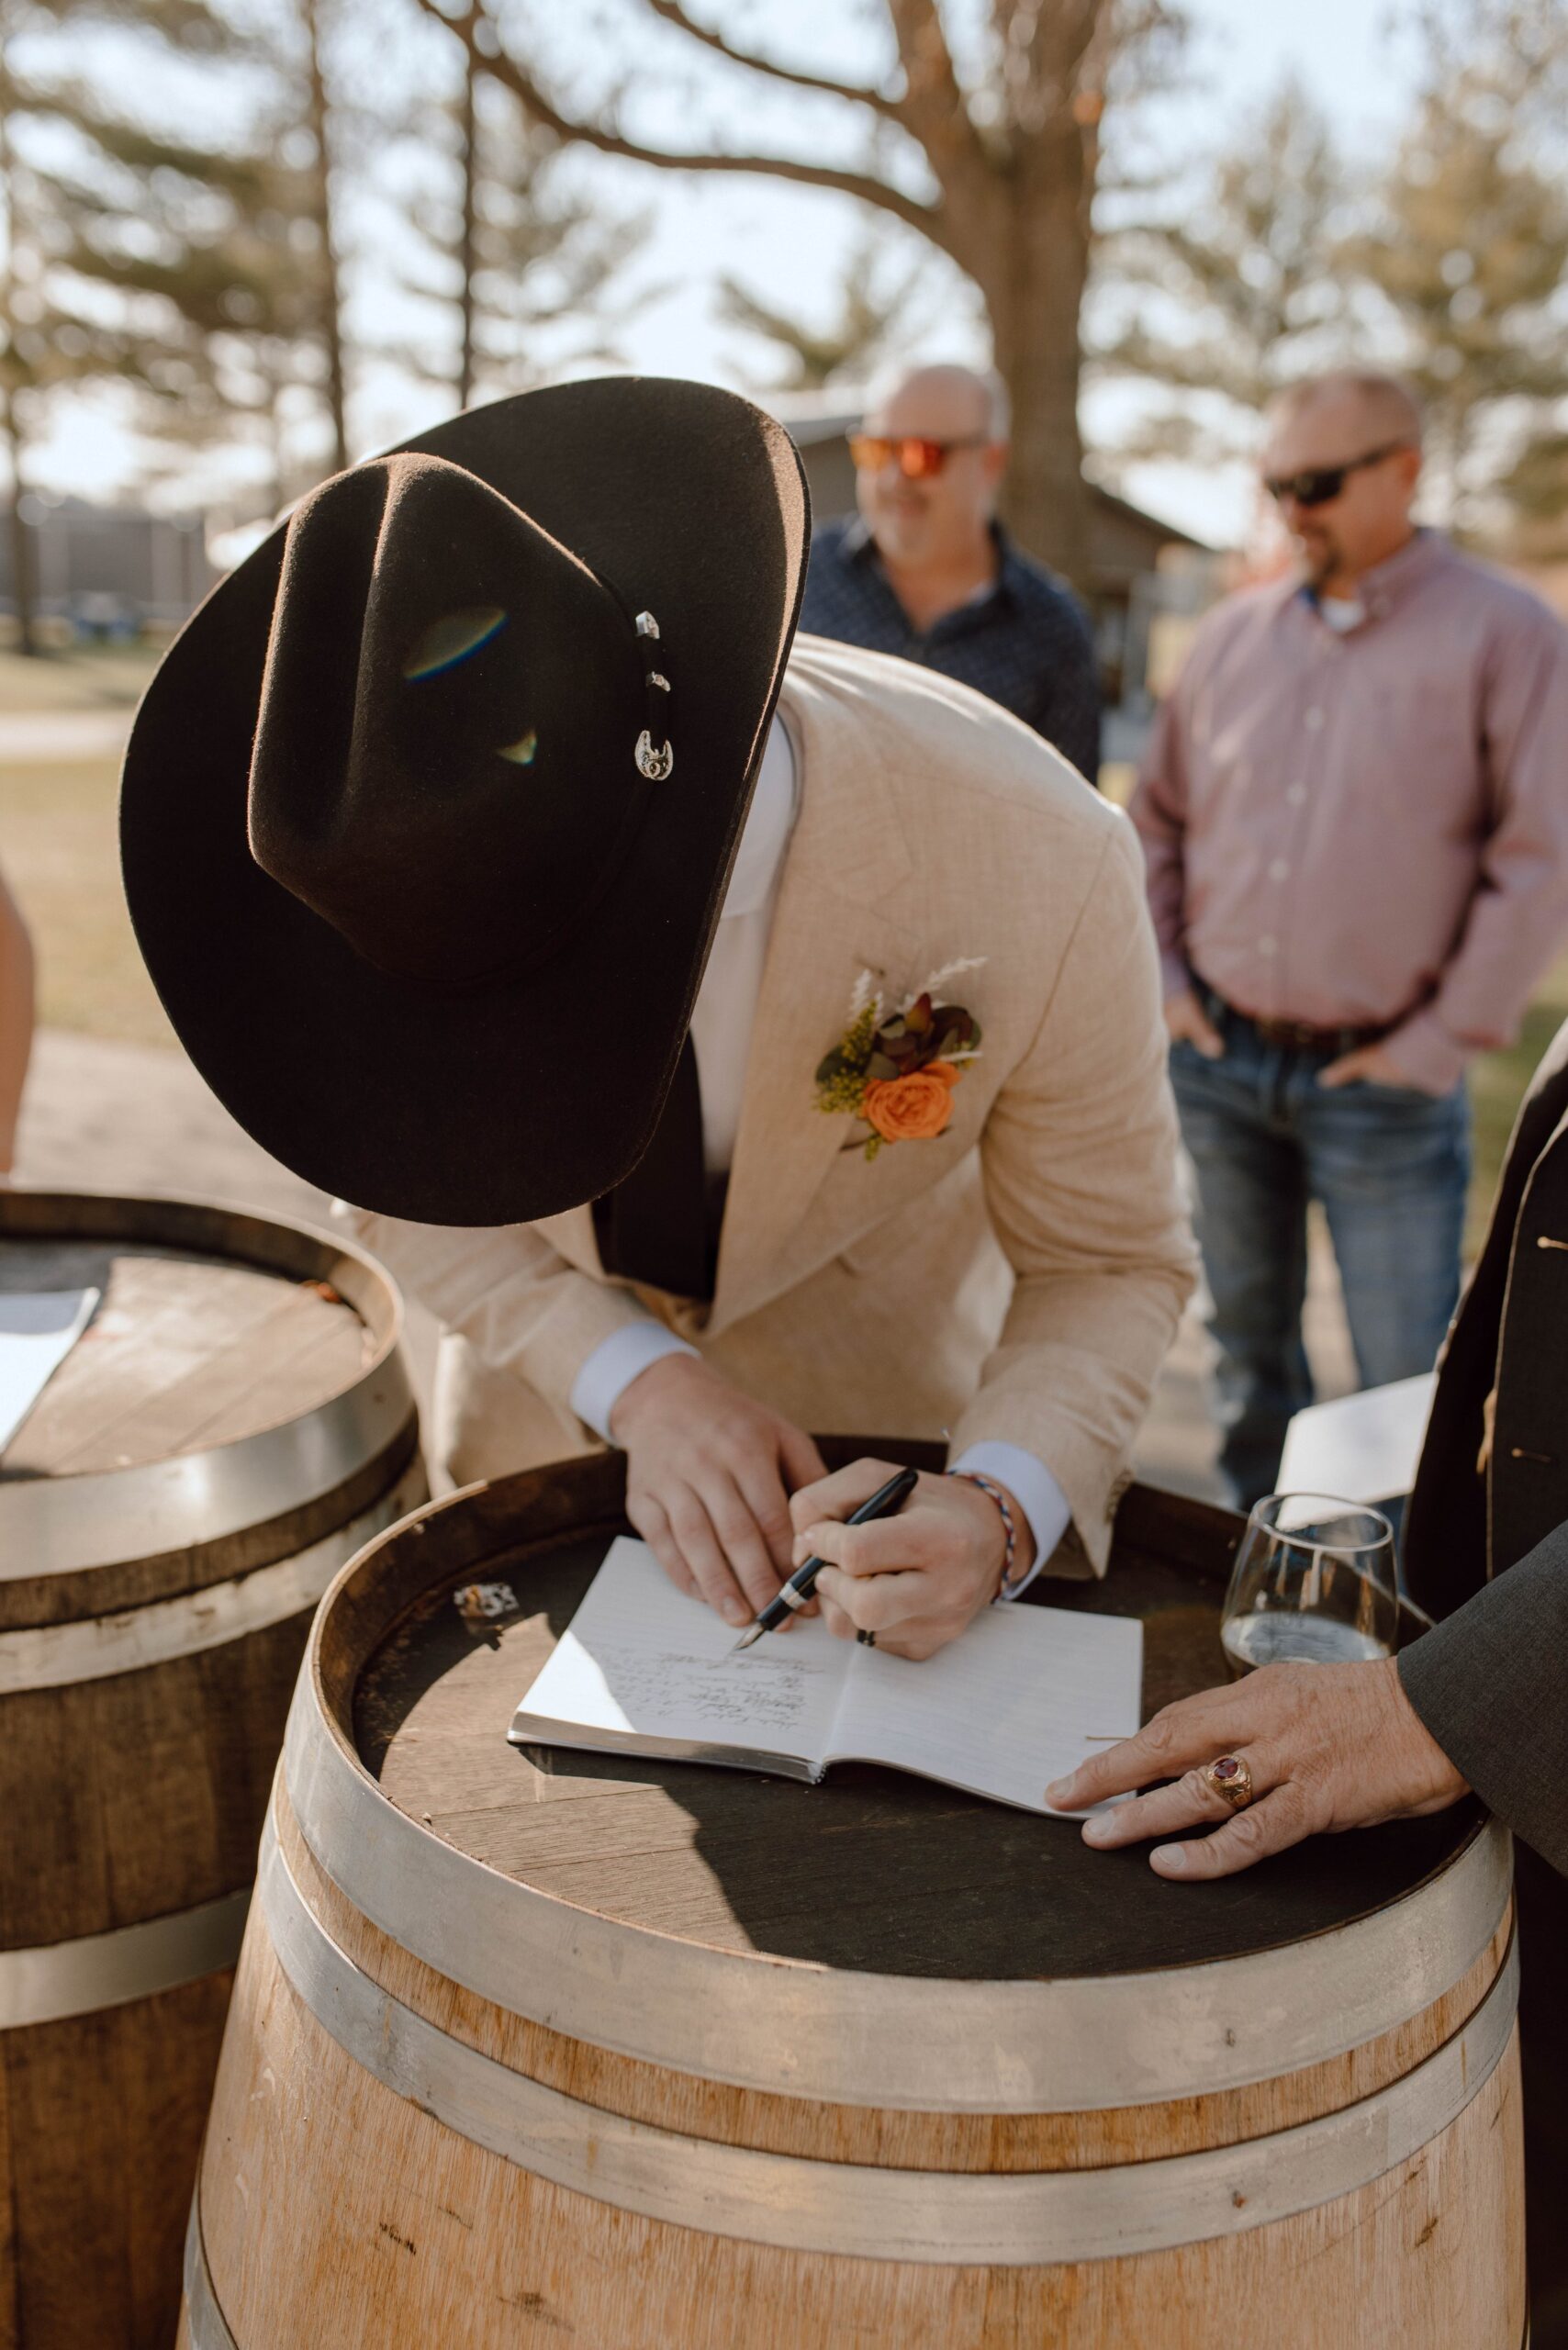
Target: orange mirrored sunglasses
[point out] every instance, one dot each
(916, 460)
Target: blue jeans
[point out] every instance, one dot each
(1391, 1167)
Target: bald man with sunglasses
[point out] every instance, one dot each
(1354, 812)
(925, 570)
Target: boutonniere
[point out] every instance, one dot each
(897, 1071)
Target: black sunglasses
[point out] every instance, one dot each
(1319, 484)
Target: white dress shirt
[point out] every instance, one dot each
(720, 1037)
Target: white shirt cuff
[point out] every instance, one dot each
(1032, 1488)
(616, 1361)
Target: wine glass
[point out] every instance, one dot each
(1314, 1582)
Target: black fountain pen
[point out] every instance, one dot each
(804, 1581)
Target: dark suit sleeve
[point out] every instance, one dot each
(1491, 1684)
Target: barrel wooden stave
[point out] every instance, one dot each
(103, 2115)
(334, 2199)
(439, 2240)
(130, 1797)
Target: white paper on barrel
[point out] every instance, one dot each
(38, 1330)
(1021, 1698)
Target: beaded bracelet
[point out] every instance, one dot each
(988, 1485)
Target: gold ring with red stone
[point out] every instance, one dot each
(1230, 1777)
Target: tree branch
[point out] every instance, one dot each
(672, 13)
(933, 108)
(506, 69)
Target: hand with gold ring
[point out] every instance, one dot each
(1293, 1750)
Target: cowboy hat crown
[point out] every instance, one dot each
(451, 800)
(428, 815)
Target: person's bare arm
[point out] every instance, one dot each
(15, 1020)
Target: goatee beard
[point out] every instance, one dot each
(1318, 566)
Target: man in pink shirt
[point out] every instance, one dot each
(1354, 812)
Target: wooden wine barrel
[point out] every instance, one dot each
(235, 1424)
(531, 2047)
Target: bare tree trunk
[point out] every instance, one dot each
(22, 596)
(332, 291)
(1012, 206)
(1028, 255)
(466, 252)
(10, 424)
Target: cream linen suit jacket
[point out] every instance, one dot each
(1021, 1276)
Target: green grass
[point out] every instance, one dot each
(60, 850)
(79, 677)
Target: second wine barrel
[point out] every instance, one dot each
(235, 1423)
(535, 2047)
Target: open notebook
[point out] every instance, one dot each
(1021, 1698)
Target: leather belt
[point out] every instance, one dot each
(1300, 1035)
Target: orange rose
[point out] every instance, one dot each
(912, 1108)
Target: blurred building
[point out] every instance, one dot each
(107, 570)
(1146, 573)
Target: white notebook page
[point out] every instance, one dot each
(640, 1656)
(38, 1330)
(1023, 1696)
(1020, 1699)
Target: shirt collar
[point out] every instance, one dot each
(1387, 584)
(856, 543)
(1380, 589)
(769, 824)
(858, 546)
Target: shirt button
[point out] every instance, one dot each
(1279, 871)
(1314, 719)
(1268, 947)
(1296, 794)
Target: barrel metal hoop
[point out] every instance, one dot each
(1054, 2046)
(57, 1979)
(208, 2327)
(56, 1656)
(107, 1519)
(1011, 2219)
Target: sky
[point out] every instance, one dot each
(790, 242)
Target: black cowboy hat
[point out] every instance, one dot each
(427, 817)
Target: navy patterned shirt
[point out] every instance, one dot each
(1026, 643)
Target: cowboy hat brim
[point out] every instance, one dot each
(531, 1095)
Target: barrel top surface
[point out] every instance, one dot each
(874, 1870)
(238, 1374)
(185, 1350)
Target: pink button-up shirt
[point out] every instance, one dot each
(1367, 828)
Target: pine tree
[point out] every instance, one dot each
(870, 308)
(505, 242)
(1221, 302)
(1468, 245)
(220, 302)
(46, 339)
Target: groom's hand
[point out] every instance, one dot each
(709, 1475)
(915, 1579)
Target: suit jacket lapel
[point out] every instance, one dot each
(571, 1235)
